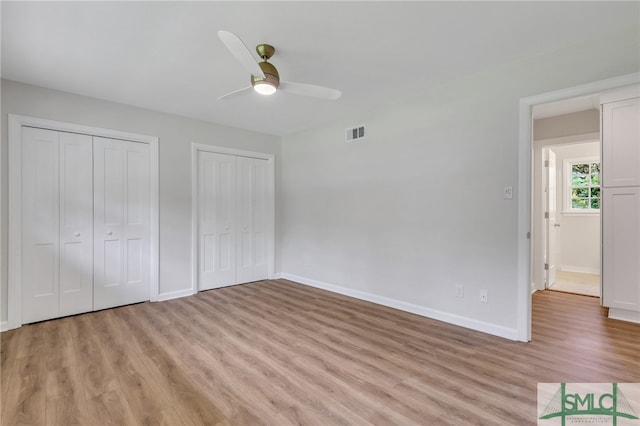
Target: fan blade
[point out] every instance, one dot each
(310, 90)
(240, 52)
(235, 92)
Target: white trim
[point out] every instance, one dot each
(569, 140)
(624, 315)
(16, 122)
(466, 322)
(579, 269)
(195, 148)
(525, 146)
(4, 326)
(174, 295)
(621, 94)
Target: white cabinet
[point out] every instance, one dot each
(232, 220)
(85, 223)
(620, 208)
(621, 239)
(620, 143)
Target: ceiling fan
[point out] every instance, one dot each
(264, 76)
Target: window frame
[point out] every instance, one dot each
(568, 186)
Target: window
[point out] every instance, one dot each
(583, 186)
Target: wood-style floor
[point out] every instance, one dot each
(280, 353)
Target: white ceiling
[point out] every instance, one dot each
(166, 56)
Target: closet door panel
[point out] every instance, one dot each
(251, 213)
(121, 222)
(108, 226)
(40, 225)
(76, 223)
(136, 220)
(216, 220)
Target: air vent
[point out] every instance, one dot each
(355, 133)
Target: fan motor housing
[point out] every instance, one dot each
(270, 72)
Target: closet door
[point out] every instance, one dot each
(251, 187)
(40, 225)
(76, 224)
(57, 216)
(121, 222)
(216, 220)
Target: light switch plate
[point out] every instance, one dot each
(508, 192)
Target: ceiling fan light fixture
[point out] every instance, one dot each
(265, 79)
(264, 88)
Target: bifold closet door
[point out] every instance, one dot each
(121, 222)
(216, 217)
(251, 216)
(232, 212)
(57, 218)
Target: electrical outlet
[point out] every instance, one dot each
(484, 295)
(459, 290)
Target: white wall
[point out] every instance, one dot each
(175, 137)
(579, 235)
(416, 208)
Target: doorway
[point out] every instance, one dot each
(526, 214)
(569, 216)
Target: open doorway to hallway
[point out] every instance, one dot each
(566, 197)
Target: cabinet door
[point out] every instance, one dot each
(121, 222)
(76, 224)
(216, 220)
(621, 248)
(251, 217)
(40, 224)
(621, 143)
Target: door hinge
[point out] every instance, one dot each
(546, 266)
(546, 163)
(546, 215)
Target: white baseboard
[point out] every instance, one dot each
(473, 324)
(174, 295)
(579, 269)
(4, 326)
(624, 315)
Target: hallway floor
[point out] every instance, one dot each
(579, 283)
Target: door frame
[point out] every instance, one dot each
(15, 124)
(270, 158)
(550, 208)
(525, 157)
